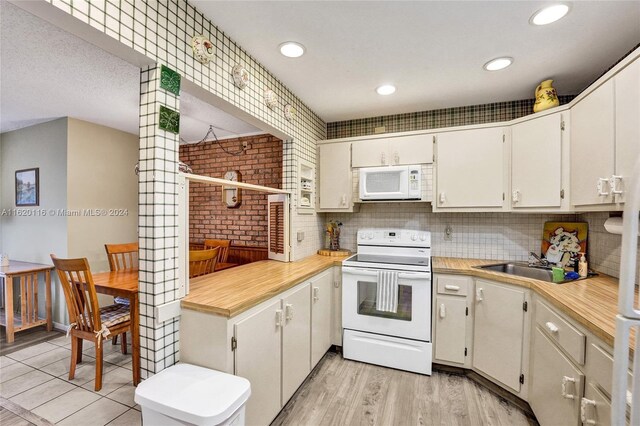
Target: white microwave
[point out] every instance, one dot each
(391, 183)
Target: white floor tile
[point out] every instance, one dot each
(129, 418)
(112, 380)
(99, 413)
(124, 395)
(14, 370)
(32, 351)
(4, 361)
(48, 357)
(66, 404)
(38, 395)
(22, 383)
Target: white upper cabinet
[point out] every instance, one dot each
(627, 90)
(470, 166)
(393, 151)
(592, 147)
(537, 163)
(336, 184)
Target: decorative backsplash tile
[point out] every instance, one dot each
(435, 119)
(169, 80)
(169, 120)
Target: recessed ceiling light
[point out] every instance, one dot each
(549, 14)
(498, 64)
(386, 89)
(291, 49)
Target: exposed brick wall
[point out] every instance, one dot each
(209, 217)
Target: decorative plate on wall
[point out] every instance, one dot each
(240, 76)
(270, 98)
(202, 49)
(290, 112)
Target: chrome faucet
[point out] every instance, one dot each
(539, 261)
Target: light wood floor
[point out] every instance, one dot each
(342, 392)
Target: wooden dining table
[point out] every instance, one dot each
(124, 284)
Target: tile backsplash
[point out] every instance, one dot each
(500, 236)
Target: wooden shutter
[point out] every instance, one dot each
(278, 213)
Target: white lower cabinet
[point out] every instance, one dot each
(595, 407)
(258, 359)
(296, 341)
(556, 384)
(321, 300)
(500, 335)
(452, 320)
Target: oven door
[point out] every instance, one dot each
(384, 183)
(412, 318)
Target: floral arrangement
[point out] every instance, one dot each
(333, 232)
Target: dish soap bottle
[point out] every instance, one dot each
(583, 268)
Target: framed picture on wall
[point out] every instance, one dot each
(27, 187)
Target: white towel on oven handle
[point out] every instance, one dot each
(387, 297)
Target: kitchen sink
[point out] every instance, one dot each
(523, 270)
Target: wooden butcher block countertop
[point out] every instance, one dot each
(235, 290)
(592, 302)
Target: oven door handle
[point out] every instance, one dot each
(414, 276)
(358, 271)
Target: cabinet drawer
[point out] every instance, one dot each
(563, 333)
(455, 285)
(600, 367)
(595, 408)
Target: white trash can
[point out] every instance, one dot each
(186, 394)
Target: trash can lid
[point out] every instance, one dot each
(194, 394)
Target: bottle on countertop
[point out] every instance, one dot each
(583, 266)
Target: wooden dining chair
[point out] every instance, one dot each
(122, 257)
(202, 262)
(88, 320)
(223, 255)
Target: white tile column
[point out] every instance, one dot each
(157, 224)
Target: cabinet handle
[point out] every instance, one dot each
(316, 293)
(451, 287)
(566, 382)
(396, 157)
(279, 318)
(443, 311)
(288, 312)
(515, 196)
(584, 406)
(479, 295)
(442, 198)
(613, 184)
(383, 158)
(551, 327)
(602, 186)
(343, 200)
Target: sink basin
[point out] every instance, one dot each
(524, 270)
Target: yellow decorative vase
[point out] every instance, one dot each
(546, 97)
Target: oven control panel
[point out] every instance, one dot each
(394, 237)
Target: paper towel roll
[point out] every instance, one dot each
(614, 225)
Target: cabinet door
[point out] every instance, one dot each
(592, 146)
(470, 168)
(450, 328)
(556, 384)
(627, 84)
(412, 149)
(371, 153)
(536, 162)
(336, 318)
(321, 295)
(258, 359)
(296, 341)
(498, 332)
(596, 408)
(336, 184)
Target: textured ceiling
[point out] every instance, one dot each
(433, 51)
(47, 73)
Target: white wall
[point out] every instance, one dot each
(33, 238)
(100, 175)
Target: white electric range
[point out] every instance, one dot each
(386, 300)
